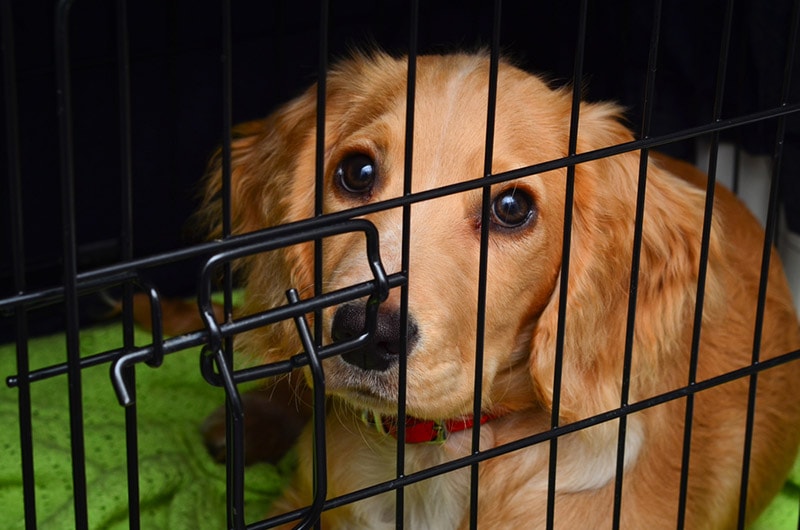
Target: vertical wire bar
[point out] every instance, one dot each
(769, 235)
(483, 261)
(647, 112)
(312, 516)
(234, 417)
(319, 184)
(320, 471)
(569, 192)
(227, 128)
(70, 263)
(703, 267)
(126, 192)
(15, 209)
(227, 132)
(408, 161)
(126, 240)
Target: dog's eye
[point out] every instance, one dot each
(356, 174)
(512, 208)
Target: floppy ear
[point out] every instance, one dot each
(264, 156)
(598, 288)
(272, 183)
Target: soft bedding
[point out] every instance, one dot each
(181, 487)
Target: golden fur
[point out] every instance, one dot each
(273, 170)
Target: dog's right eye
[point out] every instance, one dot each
(356, 174)
(512, 208)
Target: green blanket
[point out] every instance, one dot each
(181, 488)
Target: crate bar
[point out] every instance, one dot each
(93, 278)
(227, 138)
(497, 451)
(234, 420)
(198, 338)
(641, 194)
(18, 258)
(703, 268)
(569, 192)
(70, 262)
(320, 472)
(405, 253)
(319, 160)
(234, 416)
(126, 159)
(483, 260)
(126, 240)
(312, 515)
(769, 236)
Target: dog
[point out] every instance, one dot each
(272, 183)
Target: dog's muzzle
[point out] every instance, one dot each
(386, 345)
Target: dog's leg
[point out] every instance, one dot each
(274, 417)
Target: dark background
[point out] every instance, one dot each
(176, 77)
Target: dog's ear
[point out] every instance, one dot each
(598, 287)
(264, 157)
(271, 184)
(246, 141)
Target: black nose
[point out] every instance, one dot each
(349, 322)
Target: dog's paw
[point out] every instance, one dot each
(272, 423)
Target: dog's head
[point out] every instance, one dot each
(273, 168)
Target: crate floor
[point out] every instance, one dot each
(181, 487)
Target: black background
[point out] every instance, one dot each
(176, 77)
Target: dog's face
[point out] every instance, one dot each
(273, 183)
(365, 163)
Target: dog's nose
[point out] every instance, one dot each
(349, 322)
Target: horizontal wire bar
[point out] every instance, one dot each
(538, 438)
(91, 279)
(228, 329)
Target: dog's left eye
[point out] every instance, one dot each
(356, 174)
(512, 208)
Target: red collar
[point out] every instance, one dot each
(424, 431)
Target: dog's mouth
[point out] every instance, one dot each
(373, 394)
(367, 376)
